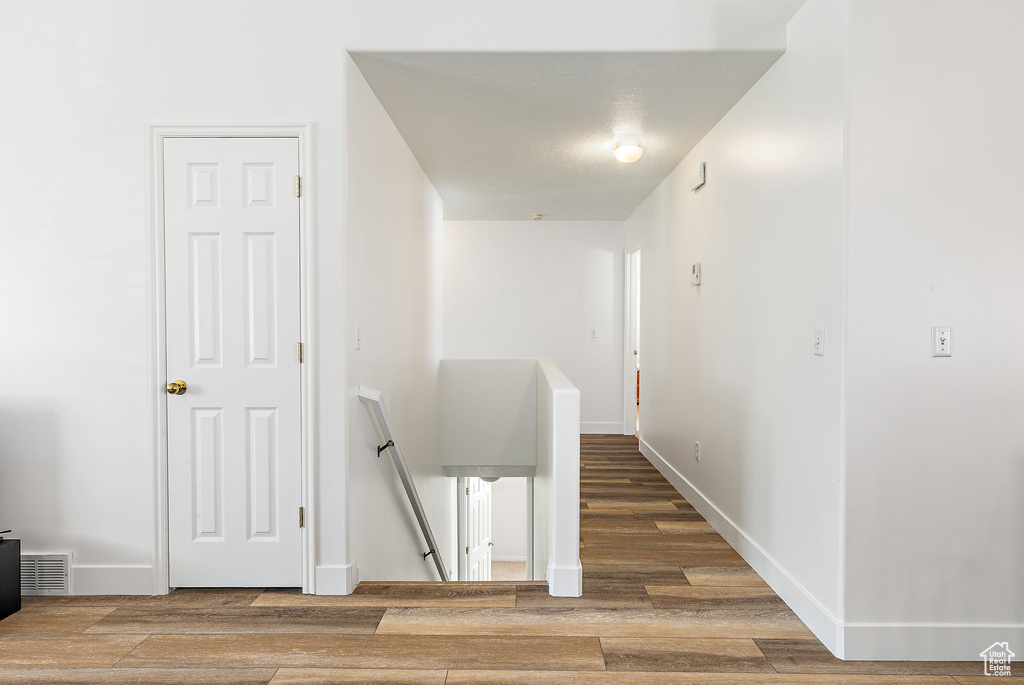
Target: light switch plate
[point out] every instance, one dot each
(819, 341)
(942, 343)
(695, 274)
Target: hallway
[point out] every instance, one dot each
(665, 600)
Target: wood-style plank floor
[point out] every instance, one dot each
(665, 600)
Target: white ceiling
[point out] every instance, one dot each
(507, 135)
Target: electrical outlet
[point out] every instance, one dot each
(593, 332)
(696, 451)
(942, 343)
(819, 341)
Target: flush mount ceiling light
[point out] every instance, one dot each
(628, 151)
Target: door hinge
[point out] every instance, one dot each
(467, 491)
(298, 186)
(467, 550)
(302, 517)
(298, 352)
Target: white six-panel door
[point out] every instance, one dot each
(232, 324)
(478, 533)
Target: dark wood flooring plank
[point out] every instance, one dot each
(260, 619)
(718, 576)
(810, 656)
(381, 676)
(65, 651)
(618, 525)
(633, 504)
(596, 595)
(673, 514)
(649, 678)
(675, 654)
(180, 597)
(628, 489)
(136, 676)
(685, 528)
(403, 595)
(418, 652)
(712, 598)
(593, 622)
(656, 541)
(646, 575)
(52, 619)
(619, 556)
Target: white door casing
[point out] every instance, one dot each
(231, 252)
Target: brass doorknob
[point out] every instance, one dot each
(176, 388)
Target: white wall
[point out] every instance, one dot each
(508, 519)
(489, 413)
(394, 298)
(537, 289)
(557, 485)
(936, 446)
(730, 363)
(77, 442)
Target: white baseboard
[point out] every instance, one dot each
(927, 642)
(820, 621)
(565, 581)
(336, 580)
(601, 427)
(519, 559)
(111, 580)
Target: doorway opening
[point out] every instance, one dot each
(495, 529)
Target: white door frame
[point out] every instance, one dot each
(155, 134)
(630, 311)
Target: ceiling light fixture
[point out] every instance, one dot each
(538, 217)
(628, 151)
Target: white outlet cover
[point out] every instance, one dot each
(942, 341)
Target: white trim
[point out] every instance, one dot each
(629, 299)
(304, 132)
(565, 581)
(603, 428)
(111, 580)
(925, 641)
(820, 620)
(461, 525)
(336, 580)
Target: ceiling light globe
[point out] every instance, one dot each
(628, 152)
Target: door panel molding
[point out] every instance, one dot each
(305, 133)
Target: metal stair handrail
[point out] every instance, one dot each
(375, 401)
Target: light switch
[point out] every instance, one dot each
(942, 344)
(819, 341)
(695, 274)
(358, 339)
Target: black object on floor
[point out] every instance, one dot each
(10, 577)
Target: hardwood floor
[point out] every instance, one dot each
(665, 600)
